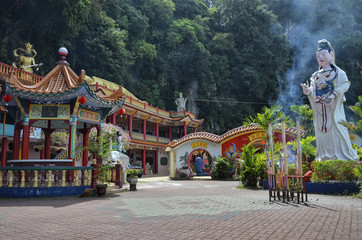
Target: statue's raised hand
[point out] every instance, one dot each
(307, 90)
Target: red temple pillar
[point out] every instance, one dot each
(85, 146)
(130, 120)
(16, 149)
(42, 153)
(99, 133)
(156, 131)
(144, 160)
(170, 132)
(195, 129)
(26, 136)
(144, 128)
(4, 148)
(185, 129)
(47, 133)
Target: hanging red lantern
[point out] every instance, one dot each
(121, 111)
(262, 142)
(82, 100)
(7, 98)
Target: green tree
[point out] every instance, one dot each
(309, 150)
(102, 50)
(273, 115)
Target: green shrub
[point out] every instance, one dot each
(132, 172)
(249, 168)
(222, 168)
(292, 168)
(339, 170)
(261, 166)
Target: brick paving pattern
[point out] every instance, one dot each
(181, 210)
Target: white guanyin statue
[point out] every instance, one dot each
(326, 96)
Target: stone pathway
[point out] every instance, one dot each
(196, 209)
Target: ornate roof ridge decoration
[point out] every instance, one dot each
(109, 86)
(60, 79)
(114, 96)
(231, 133)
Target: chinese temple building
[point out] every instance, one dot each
(150, 128)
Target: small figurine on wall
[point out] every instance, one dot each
(326, 96)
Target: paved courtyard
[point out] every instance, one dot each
(196, 209)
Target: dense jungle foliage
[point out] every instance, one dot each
(229, 57)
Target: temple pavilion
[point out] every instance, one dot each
(60, 100)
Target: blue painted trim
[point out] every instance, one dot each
(29, 192)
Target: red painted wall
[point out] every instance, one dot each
(227, 147)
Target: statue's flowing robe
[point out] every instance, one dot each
(332, 137)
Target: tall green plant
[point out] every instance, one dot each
(308, 148)
(249, 167)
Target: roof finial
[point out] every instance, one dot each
(63, 52)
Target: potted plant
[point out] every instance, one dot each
(99, 162)
(132, 178)
(103, 177)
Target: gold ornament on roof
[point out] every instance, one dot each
(26, 59)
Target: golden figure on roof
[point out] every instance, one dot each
(26, 59)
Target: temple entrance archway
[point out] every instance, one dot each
(200, 162)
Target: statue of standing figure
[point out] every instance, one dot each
(181, 103)
(26, 58)
(326, 96)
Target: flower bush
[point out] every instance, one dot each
(110, 134)
(338, 170)
(60, 138)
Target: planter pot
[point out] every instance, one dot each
(332, 188)
(101, 189)
(132, 183)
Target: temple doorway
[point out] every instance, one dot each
(200, 162)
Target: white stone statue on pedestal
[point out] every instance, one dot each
(181, 103)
